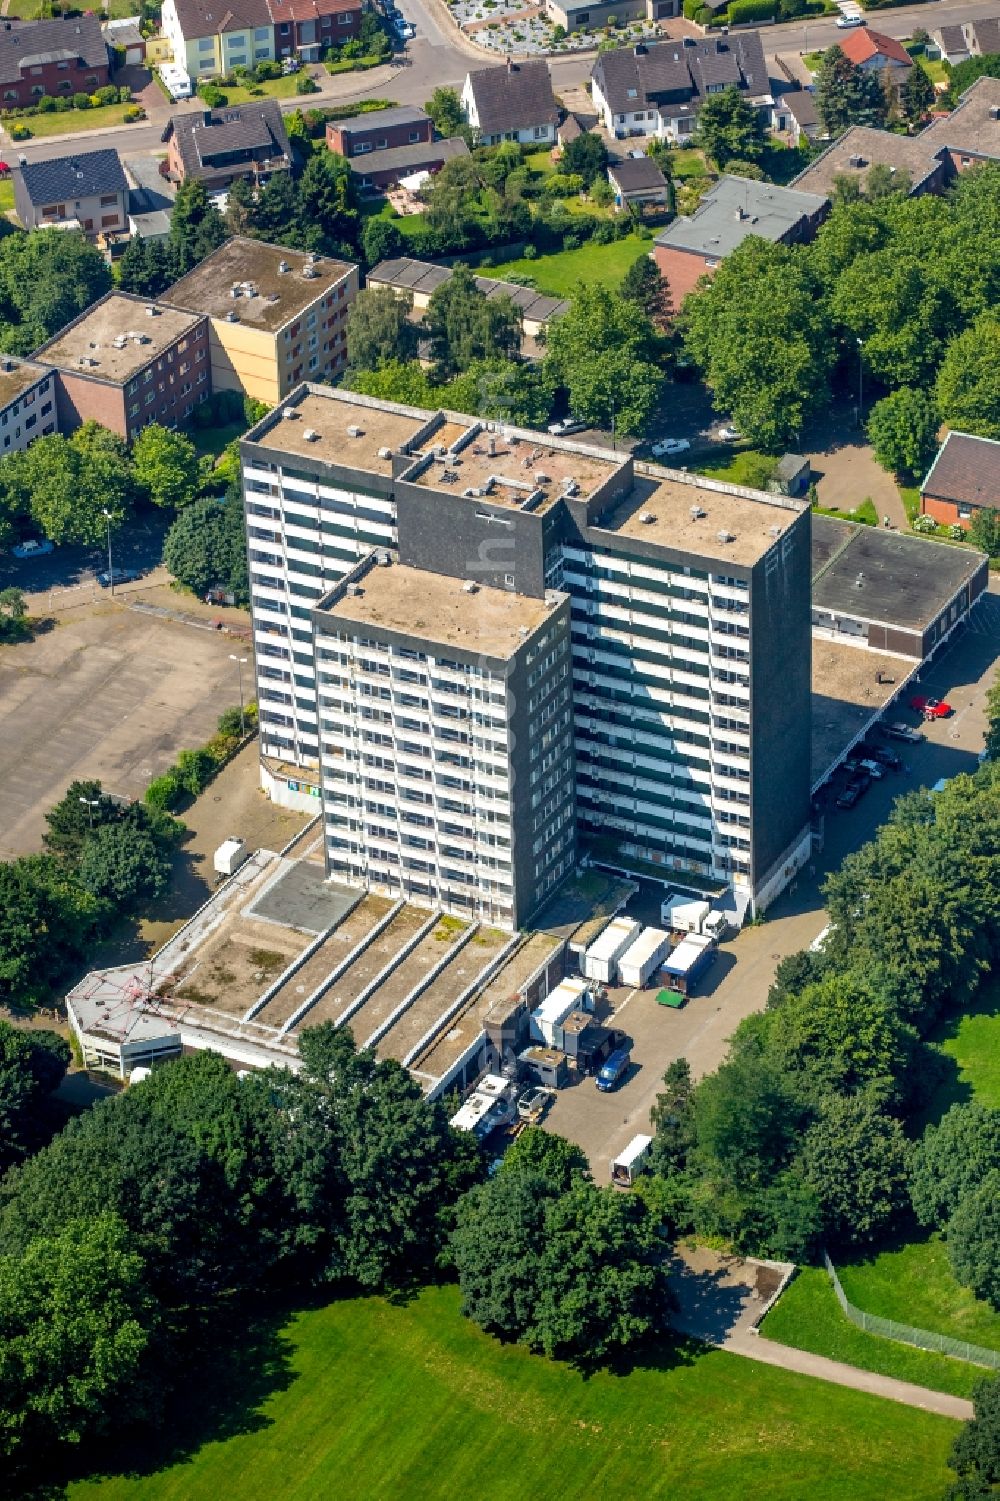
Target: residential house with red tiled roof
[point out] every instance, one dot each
(876, 52)
(963, 479)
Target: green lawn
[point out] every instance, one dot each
(808, 1316)
(64, 122)
(6, 196)
(687, 162)
(373, 1400)
(559, 274)
(214, 439)
(732, 465)
(970, 1046)
(540, 162)
(44, 10)
(915, 1285)
(274, 88)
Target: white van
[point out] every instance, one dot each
(176, 82)
(627, 1167)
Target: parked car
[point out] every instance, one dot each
(407, 31)
(849, 796)
(670, 446)
(613, 1070)
(118, 576)
(565, 426)
(533, 1104)
(873, 769)
(846, 22)
(900, 731)
(884, 756)
(931, 708)
(730, 435)
(850, 766)
(33, 548)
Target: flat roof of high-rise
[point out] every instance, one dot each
(440, 610)
(117, 336)
(317, 422)
(246, 279)
(514, 466)
(704, 517)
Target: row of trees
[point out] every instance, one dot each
(605, 352)
(907, 285)
(800, 1137)
(65, 486)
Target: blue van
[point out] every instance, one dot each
(610, 1074)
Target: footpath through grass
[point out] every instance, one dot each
(808, 1316)
(376, 1400)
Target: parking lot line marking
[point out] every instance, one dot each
(625, 1002)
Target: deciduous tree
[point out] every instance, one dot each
(586, 155)
(952, 1159)
(974, 1239)
(165, 465)
(967, 390)
(903, 429)
(855, 1158)
(123, 865)
(604, 351)
(975, 1454)
(465, 325)
(729, 127)
(645, 285)
(380, 329)
(848, 95)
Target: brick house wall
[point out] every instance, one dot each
(360, 141)
(54, 79)
(682, 270)
(327, 29)
(946, 512)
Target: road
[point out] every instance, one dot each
(738, 982)
(441, 55)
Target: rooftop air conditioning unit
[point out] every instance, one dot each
(385, 559)
(151, 311)
(725, 537)
(291, 414)
(470, 586)
(309, 272)
(696, 513)
(385, 453)
(310, 435)
(647, 517)
(232, 316)
(354, 589)
(542, 479)
(354, 431)
(283, 266)
(235, 290)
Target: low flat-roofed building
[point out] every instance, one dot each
(850, 691)
(862, 147)
(378, 170)
(419, 279)
(27, 403)
(276, 316)
(128, 361)
(731, 211)
(638, 180)
(379, 130)
(889, 592)
(963, 479)
(971, 133)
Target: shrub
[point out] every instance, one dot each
(133, 113)
(305, 85)
(124, 94)
(81, 101)
(163, 793)
(20, 133)
(213, 96)
(62, 104)
(46, 105)
(750, 10)
(194, 770)
(106, 95)
(530, 252)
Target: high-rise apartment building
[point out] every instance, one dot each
(686, 635)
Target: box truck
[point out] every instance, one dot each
(629, 1164)
(230, 856)
(600, 962)
(682, 969)
(683, 914)
(639, 962)
(547, 1020)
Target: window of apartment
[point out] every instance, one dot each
(344, 19)
(206, 44)
(10, 93)
(38, 88)
(262, 34)
(150, 398)
(63, 67)
(133, 410)
(108, 221)
(109, 199)
(964, 511)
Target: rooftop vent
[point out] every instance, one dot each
(542, 479)
(152, 311)
(291, 414)
(232, 316)
(236, 290)
(855, 161)
(696, 513)
(995, 111)
(120, 340)
(6, 366)
(311, 435)
(87, 363)
(385, 453)
(572, 488)
(283, 266)
(309, 272)
(491, 446)
(725, 537)
(354, 589)
(859, 582)
(647, 517)
(354, 431)
(470, 586)
(249, 290)
(384, 559)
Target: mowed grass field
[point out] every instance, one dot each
(411, 1400)
(808, 1316)
(972, 1042)
(559, 274)
(915, 1285)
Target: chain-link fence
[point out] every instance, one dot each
(904, 1334)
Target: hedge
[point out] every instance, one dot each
(691, 9)
(741, 11)
(195, 769)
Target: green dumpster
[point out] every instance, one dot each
(667, 997)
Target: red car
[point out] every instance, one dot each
(931, 708)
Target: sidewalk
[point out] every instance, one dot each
(720, 1305)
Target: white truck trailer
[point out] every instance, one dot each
(600, 962)
(230, 856)
(629, 1164)
(546, 1022)
(641, 960)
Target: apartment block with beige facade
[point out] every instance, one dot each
(276, 316)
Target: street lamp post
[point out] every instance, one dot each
(861, 381)
(91, 803)
(111, 572)
(240, 664)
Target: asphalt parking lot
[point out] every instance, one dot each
(739, 980)
(104, 692)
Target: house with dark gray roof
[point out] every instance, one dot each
(963, 479)
(57, 58)
(511, 103)
(658, 90)
(218, 146)
(983, 36)
(861, 147)
(731, 211)
(970, 135)
(385, 169)
(637, 180)
(87, 188)
(951, 43)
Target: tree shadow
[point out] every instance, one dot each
(231, 1367)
